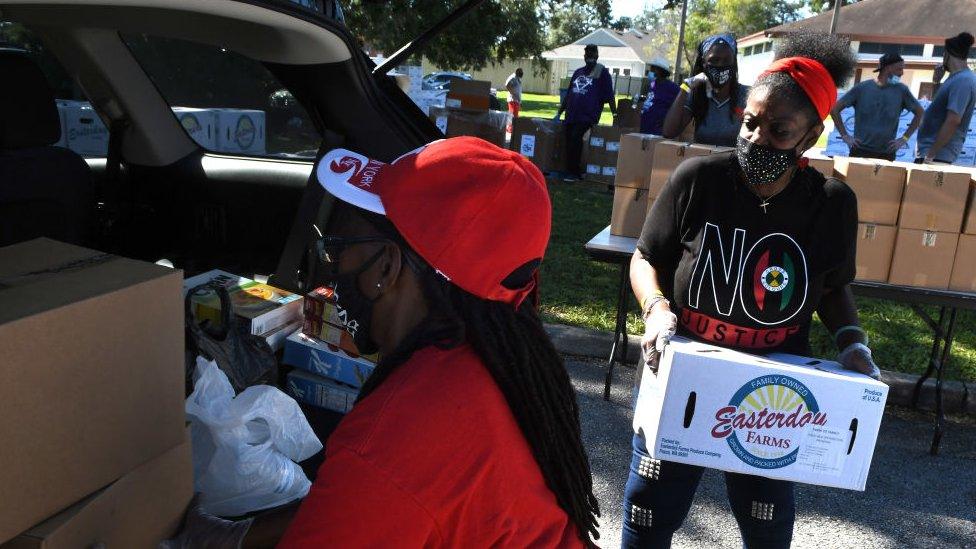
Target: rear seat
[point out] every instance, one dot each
(44, 190)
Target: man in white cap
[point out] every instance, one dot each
(661, 92)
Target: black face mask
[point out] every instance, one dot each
(763, 164)
(355, 309)
(718, 76)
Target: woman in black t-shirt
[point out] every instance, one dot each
(744, 248)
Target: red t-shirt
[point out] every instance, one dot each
(433, 457)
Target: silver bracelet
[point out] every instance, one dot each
(652, 302)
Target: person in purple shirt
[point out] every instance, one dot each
(661, 93)
(589, 88)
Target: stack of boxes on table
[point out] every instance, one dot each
(95, 443)
(466, 112)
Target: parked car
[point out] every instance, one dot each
(442, 81)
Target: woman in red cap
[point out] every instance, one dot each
(467, 434)
(744, 248)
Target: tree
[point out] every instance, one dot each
(568, 21)
(622, 24)
(819, 6)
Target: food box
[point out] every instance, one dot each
(923, 258)
(200, 124)
(261, 307)
(319, 391)
(782, 416)
(935, 199)
(629, 211)
(487, 125)
(540, 140)
(320, 358)
(823, 164)
(240, 131)
(92, 377)
(879, 186)
(667, 156)
(86, 133)
(470, 95)
(635, 160)
(875, 246)
(964, 267)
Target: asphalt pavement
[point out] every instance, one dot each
(912, 499)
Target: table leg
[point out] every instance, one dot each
(933, 357)
(620, 329)
(943, 364)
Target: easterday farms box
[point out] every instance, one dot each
(781, 416)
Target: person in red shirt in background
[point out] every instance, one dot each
(467, 433)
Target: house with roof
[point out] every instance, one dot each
(915, 29)
(623, 53)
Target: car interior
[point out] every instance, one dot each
(154, 192)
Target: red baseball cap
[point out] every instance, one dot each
(475, 212)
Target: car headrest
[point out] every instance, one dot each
(28, 113)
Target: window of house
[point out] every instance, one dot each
(626, 72)
(938, 51)
(226, 102)
(616, 72)
(880, 49)
(769, 46)
(747, 51)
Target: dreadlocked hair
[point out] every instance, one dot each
(523, 362)
(699, 101)
(832, 51)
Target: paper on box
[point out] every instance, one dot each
(935, 199)
(629, 211)
(320, 391)
(635, 160)
(92, 377)
(964, 266)
(136, 511)
(783, 417)
(923, 258)
(667, 156)
(318, 358)
(875, 246)
(879, 186)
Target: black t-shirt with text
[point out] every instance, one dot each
(739, 277)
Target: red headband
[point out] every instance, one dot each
(812, 77)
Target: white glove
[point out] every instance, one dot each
(857, 357)
(698, 80)
(659, 327)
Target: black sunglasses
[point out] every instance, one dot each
(329, 248)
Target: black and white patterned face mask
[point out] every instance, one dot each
(718, 76)
(763, 164)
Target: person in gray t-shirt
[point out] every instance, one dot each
(947, 119)
(878, 104)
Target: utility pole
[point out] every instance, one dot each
(835, 17)
(681, 39)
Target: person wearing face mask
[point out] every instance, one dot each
(739, 250)
(590, 88)
(878, 104)
(712, 98)
(944, 126)
(661, 93)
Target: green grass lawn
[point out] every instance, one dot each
(545, 106)
(581, 292)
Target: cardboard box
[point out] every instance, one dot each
(964, 266)
(276, 338)
(628, 115)
(879, 186)
(783, 417)
(875, 245)
(319, 391)
(487, 125)
(471, 95)
(969, 222)
(935, 199)
(91, 380)
(540, 140)
(262, 308)
(635, 160)
(667, 156)
(86, 133)
(240, 131)
(823, 164)
(923, 258)
(137, 511)
(200, 124)
(319, 358)
(629, 211)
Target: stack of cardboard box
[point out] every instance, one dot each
(95, 445)
(600, 153)
(330, 369)
(487, 125)
(542, 141)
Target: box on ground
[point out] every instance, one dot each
(629, 211)
(91, 381)
(601, 152)
(320, 391)
(935, 199)
(964, 267)
(487, 125)
(319, 358)
(783, 417)
(628, 116)
(635, 160)
(261, 307)
(137, 511)
(540, 140)
(923, 258)
(879, 186)
(875, 245)
(667, 156)
(469, 95)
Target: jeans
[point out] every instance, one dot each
(658, 496)
(864, 153)
(574, 146)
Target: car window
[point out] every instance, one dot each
(227, 103)
(81, 129)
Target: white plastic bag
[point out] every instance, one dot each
(245, 447)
